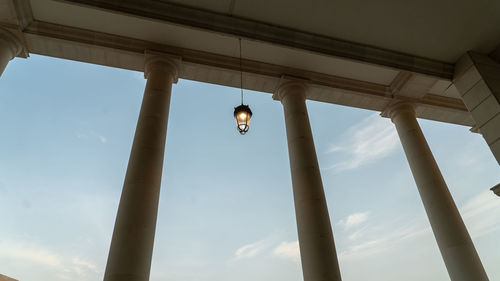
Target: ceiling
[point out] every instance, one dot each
(437, 29)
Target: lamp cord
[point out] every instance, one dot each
(241, 74)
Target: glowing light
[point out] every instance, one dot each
(242, 114)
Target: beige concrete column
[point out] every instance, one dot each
(454, 242)
(10, 47)
(133, 236)
(317, 248)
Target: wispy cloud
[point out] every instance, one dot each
(270, 246)
(85, 134)
(354, 219)
(371, 139)
(482, 214)
(384, 241)
(288, 250)
(355, 235)
(81, 263)
(251, 250)
(31, 254)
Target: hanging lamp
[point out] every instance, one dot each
(242, 113)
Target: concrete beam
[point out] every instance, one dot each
(241, 27)
(477, 78)
(116, 51)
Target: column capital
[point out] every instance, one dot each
(13, 42)
(165, 62)
(397, 108)
(288, 84)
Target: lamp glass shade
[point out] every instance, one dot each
(242, 114)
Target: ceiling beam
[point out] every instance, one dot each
(264, 32)
(133, 49)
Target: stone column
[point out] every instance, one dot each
(454, 242)
(10, 47)
(317, 248)
(133, 236)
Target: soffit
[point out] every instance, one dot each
(197, 39)
(7, 12)
(436, 29)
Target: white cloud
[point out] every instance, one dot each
(371, 139)
(473, 155)
(355, 235)
(251, 250)
(102, 139)
(354, 219)
(85, 264)
(32, 254)
(482, 214)
(85, 134)
(384, 241)
(288, 250)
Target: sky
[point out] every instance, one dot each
(226, 206)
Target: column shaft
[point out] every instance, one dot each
(454, 242)
(132, 243)
(317, 247)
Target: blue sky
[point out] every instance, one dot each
(226, 206)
